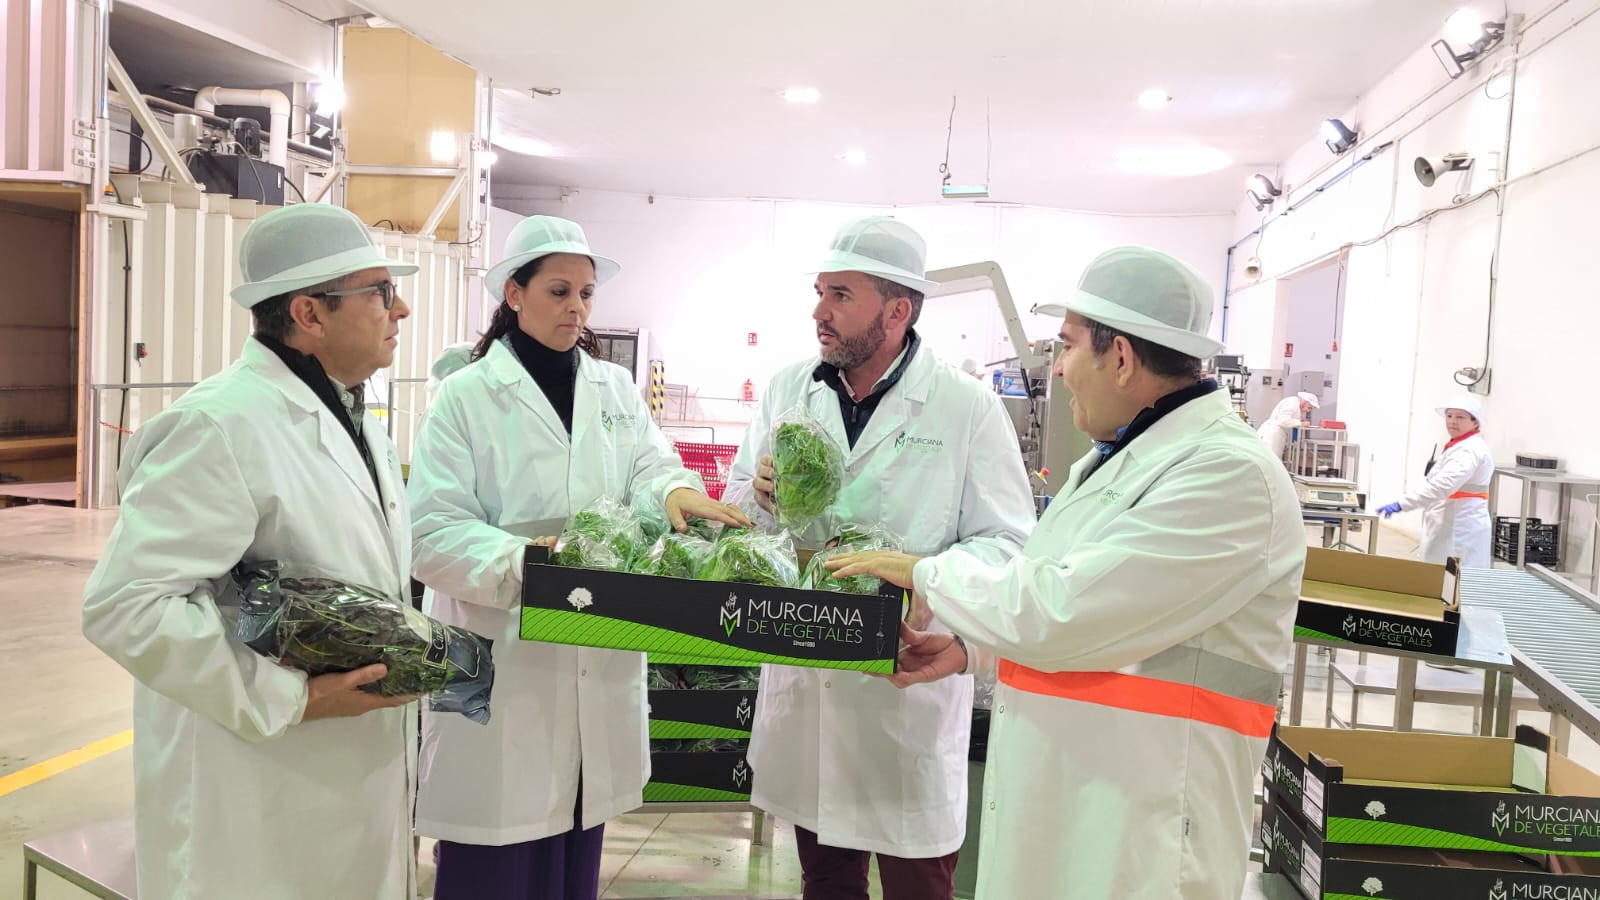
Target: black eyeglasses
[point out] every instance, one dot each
(385, 290)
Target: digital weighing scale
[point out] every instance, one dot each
(1326, 493)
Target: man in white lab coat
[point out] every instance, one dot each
(251, 780)
(1141, 633)
(1289, 414)
(932, 456)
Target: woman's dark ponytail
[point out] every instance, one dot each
(505, 318)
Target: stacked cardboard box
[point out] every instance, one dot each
(700, 719)
(1365, 814)
(1378, 601)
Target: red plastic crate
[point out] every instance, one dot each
(710, 461)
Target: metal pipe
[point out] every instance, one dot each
(299, 112)
(147, 120)
(277, 108)
(404, 171)
(328, 183)
(449, 197)
(215, 120)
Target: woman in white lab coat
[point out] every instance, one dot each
(1455, 499)
(532, 431)
(1289, 414)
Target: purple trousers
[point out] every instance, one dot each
(560, 867)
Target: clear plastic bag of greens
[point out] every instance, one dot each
(603, 535)
(321, 625)
(676, 555)
(721, 678)
(848, 538)
(754, 557)
(650, 511)
(809, 469)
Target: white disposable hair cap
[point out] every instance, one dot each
(453, 359)
(881, 246)
(1150, 295)
(1471, 404)
(538, 236)
(1308, 397)
(304, 245)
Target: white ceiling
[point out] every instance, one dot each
(682, 98)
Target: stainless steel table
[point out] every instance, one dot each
(1481, 644)
(1564, 482)
(1331, 519)
(96, 858)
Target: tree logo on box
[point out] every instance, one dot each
(1372, 886)
(741, 774)
(580, 598)
(1349, 626)
(1500, 819)
(730, 614)
(1498, 892)
(1376, 810)
(744, 711)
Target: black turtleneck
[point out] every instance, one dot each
(554, 371)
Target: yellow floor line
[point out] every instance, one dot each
(72, 759)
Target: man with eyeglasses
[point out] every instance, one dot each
(250, 779)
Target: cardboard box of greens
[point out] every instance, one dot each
(710, 622)
(701, 714)
(1455, 792)
(689, 777)
(1379, 601)
(1322, 871)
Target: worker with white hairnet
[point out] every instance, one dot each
(251, 780)
(1140, 635)
(1455, 499)
(1289, 414)
(452, 359)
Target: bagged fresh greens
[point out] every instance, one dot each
(721, 678)
(754, 558)
(809, 469)
(319, 625)
(648, 508)
(849, 539)
(676, 556)
(604, 535)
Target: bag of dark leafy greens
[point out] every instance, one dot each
(603, 535)
(320, 625)
(808, 468)
(849, 539)
(676, 556)
(754, 558)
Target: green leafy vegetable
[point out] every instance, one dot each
(676, 555)
(850, 539)
(603, 536)
(754, 558)
(809, 469)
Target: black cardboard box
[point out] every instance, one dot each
(701, 714)
(1354, 598)
(710, 622)
(1322, 871)
(716, 777)
(1440, 791)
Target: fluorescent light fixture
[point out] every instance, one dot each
(1155, 98)
(854, 157)
(1464, 27)
(1173, 162)
(442, 146)
(1447, 58)
(527, 146)
(330, 97)
(802, 95)
(964, 191)
(1338, 136)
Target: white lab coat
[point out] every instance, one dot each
(846, 755)
(234, 796)
(491, 452)
(1285, 419)
(1459, 527)
(1180, 559)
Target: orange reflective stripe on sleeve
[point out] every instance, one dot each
(1467, 495)
(1137, 693)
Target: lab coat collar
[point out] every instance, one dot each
(914, 387)
(509, 371)
(1177, 425)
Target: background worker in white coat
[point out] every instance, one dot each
(1289, 414)
(1142, 631)
(535, 430)
(250, 780)
(1455, 499)
(857, 766)
(452, 359)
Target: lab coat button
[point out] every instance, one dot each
(991, 807)
(827, 684)
(1002, 709)
(583, 673)
(391, 504)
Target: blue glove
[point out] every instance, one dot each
(1387, 511)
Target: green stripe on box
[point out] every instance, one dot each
(1345, 897)
(560, 626)
(1393, 834)
(1302, 631)
(668, 731)
(656, 792)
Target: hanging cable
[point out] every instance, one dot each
(949, 131)
(988, 130)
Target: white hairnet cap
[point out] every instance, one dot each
(1471, 404)
(538, 236)
(454, 358)
(969, 366)
(881, 246)
(304, 245)
(1150, 295)
(1308, 397)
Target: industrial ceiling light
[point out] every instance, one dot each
(1338, 136)
(442, 147)
(1155, 98)
(1429, 168)
(802, 95)
(330, 97)
(1472, 31)
(854, 157)
(1262, 191)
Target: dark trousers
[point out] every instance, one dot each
(560, 867)
(834, 873)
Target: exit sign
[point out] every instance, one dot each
(750, 339)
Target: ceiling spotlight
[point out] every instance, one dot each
(802, 95)
(854, 157)
(1338, 136)
(1155, 98)
(442, 146)
(330, 97)
(1472, 31)
(1429, 168)
(1262, 191)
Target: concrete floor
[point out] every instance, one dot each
(65, 695)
